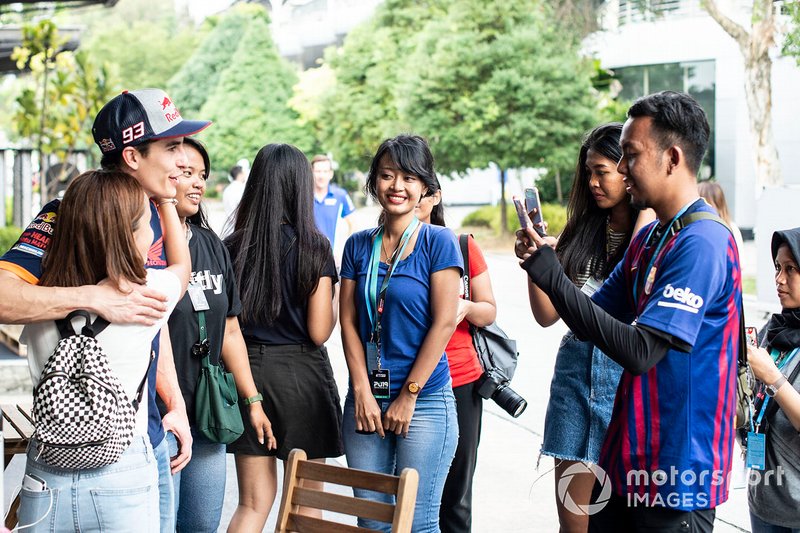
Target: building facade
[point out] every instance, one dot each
(676, 45)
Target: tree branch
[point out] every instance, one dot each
(735, 30)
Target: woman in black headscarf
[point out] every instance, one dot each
(775, 490)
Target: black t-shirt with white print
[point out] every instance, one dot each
(211, 270)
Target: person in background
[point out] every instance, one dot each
(600, 223)
(455, 515)
(773, 497)
(667, 323)
(285, 272)
(104, 235)
(232, 196)
(331, 202)
(712, 192)
(399, 301)
(200, 487)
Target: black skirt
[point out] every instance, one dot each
(300, 398)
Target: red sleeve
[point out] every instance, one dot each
(477, 263)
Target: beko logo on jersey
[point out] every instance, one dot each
(683, 299)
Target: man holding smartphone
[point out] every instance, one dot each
(670, 325)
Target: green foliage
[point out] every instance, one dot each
(489, 217)
(144, 39)
(9, 236)
(498, 85)
(361, 108)
(791, 45)
(57, 103)
(200, 74)
(249, 104)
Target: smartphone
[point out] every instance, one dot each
(532, 202)
(521, 213)
(33, 483)
(752, 336)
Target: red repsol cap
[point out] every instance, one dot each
(137, 116)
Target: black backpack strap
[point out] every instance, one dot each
(463, 241)
(687, 219)
(90, 329)
(140, 390)
(684, 221)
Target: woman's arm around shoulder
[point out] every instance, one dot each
(178, 259)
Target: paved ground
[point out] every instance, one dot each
(512, 493)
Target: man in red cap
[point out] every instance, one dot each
(139, 132)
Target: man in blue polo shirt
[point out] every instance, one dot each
(141, 133)
(669, 315)
(331, 203)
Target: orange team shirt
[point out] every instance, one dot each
(461, 355)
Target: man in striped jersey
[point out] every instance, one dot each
(669, 315)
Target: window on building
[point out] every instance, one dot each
(632, 11)
(696, 78)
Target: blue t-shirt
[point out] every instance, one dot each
(407, 314)
(25, 260)
(670, 440)
(327, 212)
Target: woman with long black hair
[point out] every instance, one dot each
(285, 272)
(213, 300)
(600, 224)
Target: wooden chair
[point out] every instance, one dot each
(298, 469)
(16, 426)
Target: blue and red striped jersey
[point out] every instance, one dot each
(670, 440)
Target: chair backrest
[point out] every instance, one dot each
(298, 469)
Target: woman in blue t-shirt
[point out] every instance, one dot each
(400, 410)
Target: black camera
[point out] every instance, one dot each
(494, 385)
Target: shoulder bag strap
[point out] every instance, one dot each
(140, 390)
(463, 241)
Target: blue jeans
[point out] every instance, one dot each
(166, 491)
(759, 526)
(429, 448)
(200, 487)
(119, 497)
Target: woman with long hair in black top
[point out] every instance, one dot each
(285, 272)
(200, 487)
(600, 223)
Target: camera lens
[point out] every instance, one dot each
(510, 401)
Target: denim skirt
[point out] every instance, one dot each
(582, 395)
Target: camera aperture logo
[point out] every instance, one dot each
(584, 509)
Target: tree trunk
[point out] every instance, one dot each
(559, 193)
(755, 46)
(503, 211)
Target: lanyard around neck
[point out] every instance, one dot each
(767, 398)
(651, 273)
(375, 300)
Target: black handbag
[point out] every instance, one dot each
(496, 352)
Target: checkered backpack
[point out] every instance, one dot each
(83, 418)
